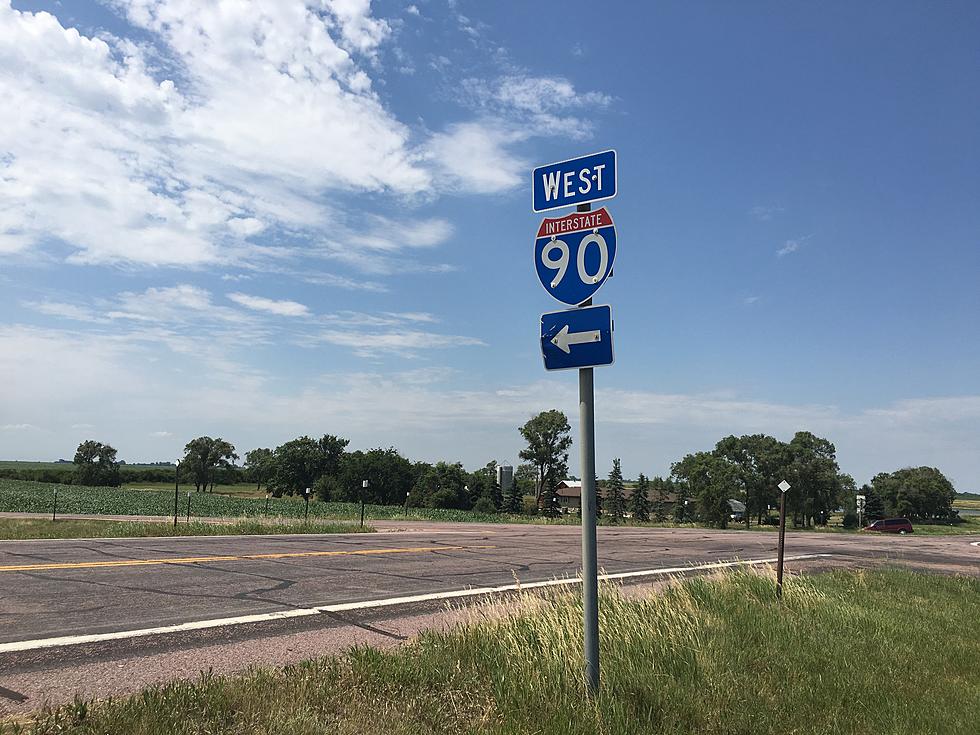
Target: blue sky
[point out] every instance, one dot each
(259, 220)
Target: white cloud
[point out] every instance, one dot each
(64, 311)
(412, 10)
(161, 434)
(17, 427)
(426, 417)
(271, 306)
(542, 105)
(475, 157)
(125, 162)
(749, 300)
(790, 246)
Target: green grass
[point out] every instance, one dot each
(846, 653)
(33, 528)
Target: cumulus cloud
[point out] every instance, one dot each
(124, 161)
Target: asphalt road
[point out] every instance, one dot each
(294, 589)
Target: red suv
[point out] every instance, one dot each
(891, 525)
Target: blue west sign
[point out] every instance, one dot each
(577, 338)
(580, 180)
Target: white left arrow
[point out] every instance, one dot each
(564, 339)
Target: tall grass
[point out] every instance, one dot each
(881, 652)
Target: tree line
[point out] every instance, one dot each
(698, 488)
(745, 468)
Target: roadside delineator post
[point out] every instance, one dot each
(176, 489)
(783, 486)
(267, 496)
(365, 484)
(188, 506)
(306, 515)
(54, 505)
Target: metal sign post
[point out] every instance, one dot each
(573, 257)
(590, 563)
(783, 486)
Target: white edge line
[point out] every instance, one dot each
(30, 645)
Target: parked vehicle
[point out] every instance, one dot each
(891, 525)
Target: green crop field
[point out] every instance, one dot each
(143, 499)
(239, 490)
(844, 653)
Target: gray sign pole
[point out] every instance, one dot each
(590, 570)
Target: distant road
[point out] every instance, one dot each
(102, 616)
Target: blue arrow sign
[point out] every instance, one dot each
(590, 178)
(577, 338)
(574, 254)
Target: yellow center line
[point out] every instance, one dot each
(243, 557)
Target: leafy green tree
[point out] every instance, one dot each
(874, 504)
(817, 483)
(759, 461)
(709, 479)
(259, 464)
(640, 500)
(615, 496)
(301, 462)
(389, 476)
(526, 478)
(919, 493)
(443, 486)
(548, 438)
(202, 456)
(96, 465)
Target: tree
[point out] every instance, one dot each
(709, 479)
(301, 462)
(615, 497)
(759, 461)
(390, 476)
(203, 455)
(817, 483)
(259, 465)
(661, 489)
(442, 486)
(95, 464)
(513, 501)
(919, 493)
(640, 500)
(874, 504)
(548, 438)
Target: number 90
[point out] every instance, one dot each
(561, 262)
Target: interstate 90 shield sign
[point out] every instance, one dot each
(574, 254)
